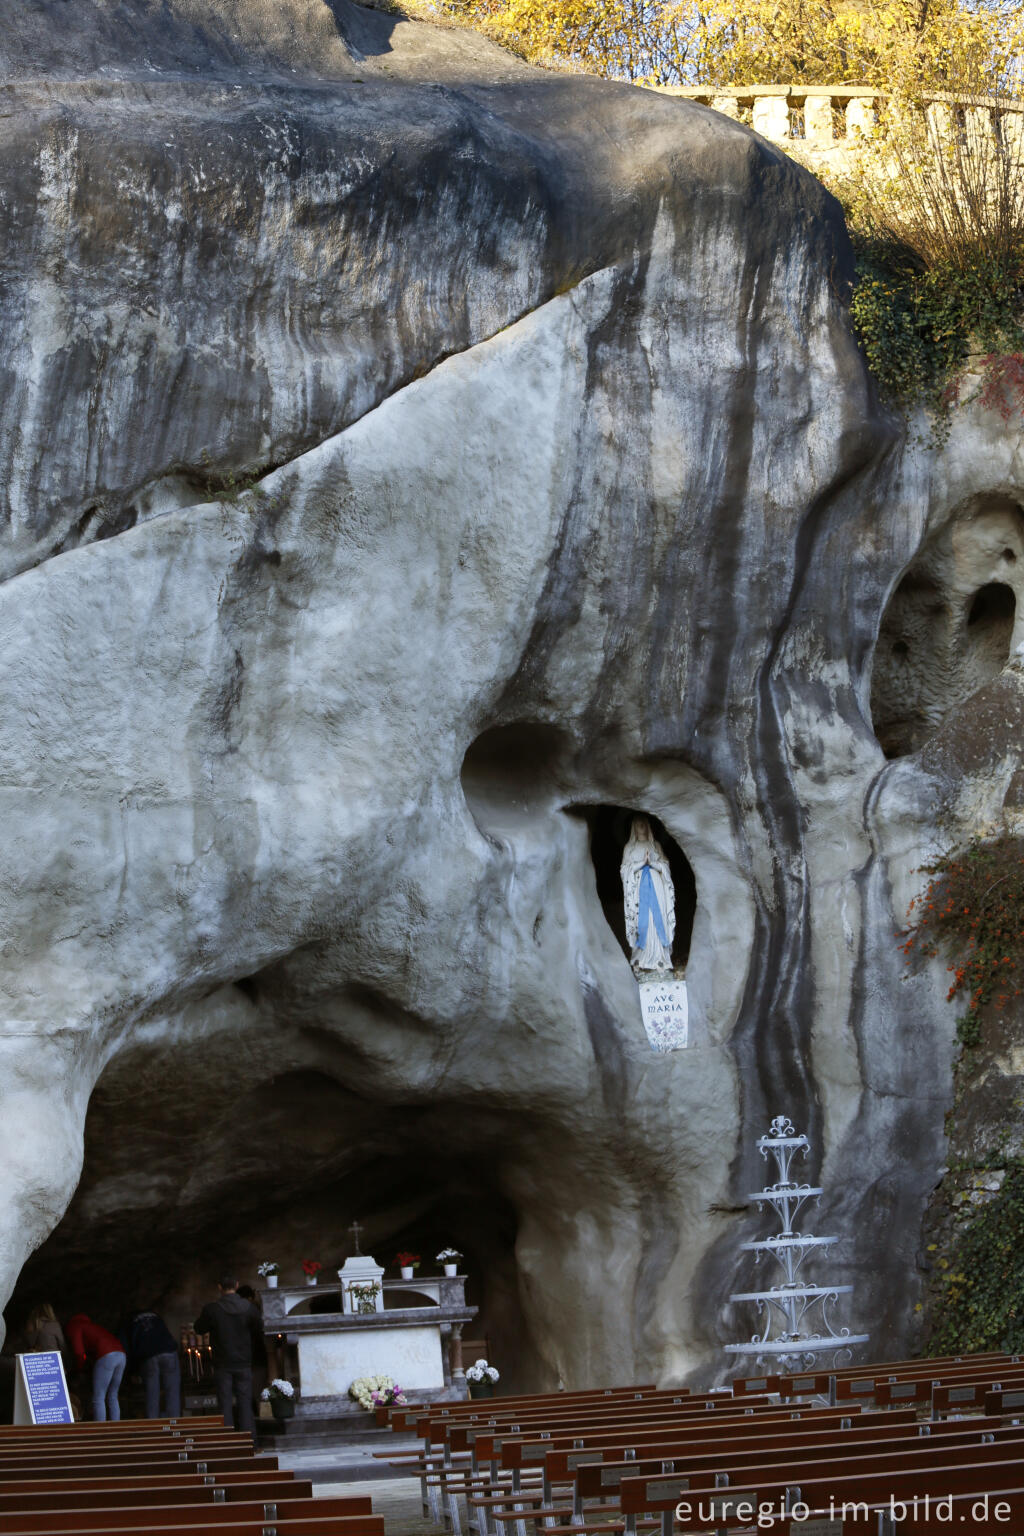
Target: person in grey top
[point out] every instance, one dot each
(233, 1325)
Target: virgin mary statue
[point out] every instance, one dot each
(650, 899)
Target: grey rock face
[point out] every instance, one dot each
(413, 463)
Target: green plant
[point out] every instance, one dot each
(921, 329)
(980, 1302)
(968, 1031)
(972, 912)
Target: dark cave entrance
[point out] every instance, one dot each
(167, 1202)
(609, 828)
(944, 636)
(990, 619)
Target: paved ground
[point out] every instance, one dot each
(397, 1499)
(342, 1470)
(340, 1463)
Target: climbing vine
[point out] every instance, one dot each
(920, 329)
(980, 1300)
(972, 913)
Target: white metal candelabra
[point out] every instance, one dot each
(794, 1335)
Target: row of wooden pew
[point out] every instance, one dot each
(175, 1477)
(918, 1445)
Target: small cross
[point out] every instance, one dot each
(355, 1229)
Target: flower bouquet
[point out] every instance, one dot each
(376, 1392)
(364, 1296)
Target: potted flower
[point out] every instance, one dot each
(481, 1378)
(311, 1268)
(281, 1397)
(407, 1262)
(449, 1257)
(269, 1272)
(364, 1296)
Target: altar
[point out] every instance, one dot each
(413, 1334)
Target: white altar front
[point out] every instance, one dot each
(413, 1336)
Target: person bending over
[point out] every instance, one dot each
(93, 1345)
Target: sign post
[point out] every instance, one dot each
(41, 1390)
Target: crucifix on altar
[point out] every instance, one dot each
(361, 1278)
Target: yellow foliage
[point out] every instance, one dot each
(919, 44)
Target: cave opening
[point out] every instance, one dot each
(609, 827)
(193, 1184)
(993, 609)
(948, 627)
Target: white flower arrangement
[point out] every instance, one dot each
(376, 1391)
(448, 1256)
(481, 1371)
(268, 1267)
(278, 1388)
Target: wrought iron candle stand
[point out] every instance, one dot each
(797, 1317)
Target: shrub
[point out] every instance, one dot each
(972, 912)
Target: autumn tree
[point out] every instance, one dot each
(926, 43)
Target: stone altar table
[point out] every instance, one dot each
(323, 1352)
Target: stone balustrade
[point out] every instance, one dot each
(827, 118)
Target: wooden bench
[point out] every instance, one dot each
(144, 1477)
(193, 1423)
(541, 1462)
(48, 1486)
(163, 1502)
(597, 1469)
(588, 1472)
(929, 1468)
(144, 1516)
(449, 1467)
(306, 1524)
(542, 1459)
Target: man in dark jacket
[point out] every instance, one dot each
(233, 1326)
(153, 1353)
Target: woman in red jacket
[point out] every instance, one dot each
(91, 1343)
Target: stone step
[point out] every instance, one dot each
(353, 1434)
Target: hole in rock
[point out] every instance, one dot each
(993, 607)
(609, 827)
(945, 635)
(203, 1159)
(512, 773)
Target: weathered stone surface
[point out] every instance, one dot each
(407, 454)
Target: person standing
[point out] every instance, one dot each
(91, 1344)
(260, 1368)
(43, 1331)
(154, 1354)
(233, 1324)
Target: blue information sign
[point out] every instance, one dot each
(41, 1391)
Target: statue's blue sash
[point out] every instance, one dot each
(649, 910)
